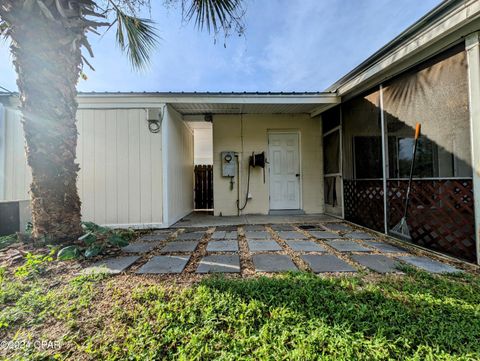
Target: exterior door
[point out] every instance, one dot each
(284, 171)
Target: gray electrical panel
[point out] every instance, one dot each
(228, 164)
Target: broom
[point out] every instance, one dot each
(401, 229)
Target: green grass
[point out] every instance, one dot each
(294, 316)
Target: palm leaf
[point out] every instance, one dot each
(4, 29)
(136, 37)
(216, 15)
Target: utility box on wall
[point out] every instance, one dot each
(228, 164)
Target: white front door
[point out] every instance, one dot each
(284, 171)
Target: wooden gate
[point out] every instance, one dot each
(203, 187)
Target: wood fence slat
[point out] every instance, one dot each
(203, 186)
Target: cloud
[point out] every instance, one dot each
(288, 45)
(320, 41)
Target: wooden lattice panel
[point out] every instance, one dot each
(440, 214)
(364, 203)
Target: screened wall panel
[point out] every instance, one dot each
(434, 94)
(332, 133)
(362, 161)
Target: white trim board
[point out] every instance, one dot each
(473, 59)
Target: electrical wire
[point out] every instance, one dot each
(246, 195)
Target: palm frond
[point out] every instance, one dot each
(216, 15)
(136, 37)
(4, 29)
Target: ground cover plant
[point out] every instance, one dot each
(415, 316)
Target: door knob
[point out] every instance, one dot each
(297, 175)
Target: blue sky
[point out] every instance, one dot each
(289, 45)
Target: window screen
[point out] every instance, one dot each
(331, 155)
(331, 119)
(434, 94)
(368, 157)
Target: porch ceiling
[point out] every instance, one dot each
(193, 109)
(254, 103)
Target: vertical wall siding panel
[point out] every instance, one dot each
(100, 165)
(156, 174)
(145, 169)
(111, 167)
(122, 164)
(17, 163)
(180, 167)
(88, 206)
(10, 151)
(19, 169)
(17, 174)
(134, 168)
(80, 152)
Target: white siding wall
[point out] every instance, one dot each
(120, 181)
(203, 145)
(16, 174)
(178, 158)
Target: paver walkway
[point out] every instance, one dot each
(326, 247)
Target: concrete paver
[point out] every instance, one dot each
(273, 263)
(219, 263)
(327, 263)
(164, 264)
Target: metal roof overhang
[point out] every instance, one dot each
(195, 104)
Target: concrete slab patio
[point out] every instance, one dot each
(197, 219)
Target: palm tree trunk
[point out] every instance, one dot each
(47, 60)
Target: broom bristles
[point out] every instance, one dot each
(401, 229)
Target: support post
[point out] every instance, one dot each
(385, 165)
(341, 163)
(3, 150)
(472, 46)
